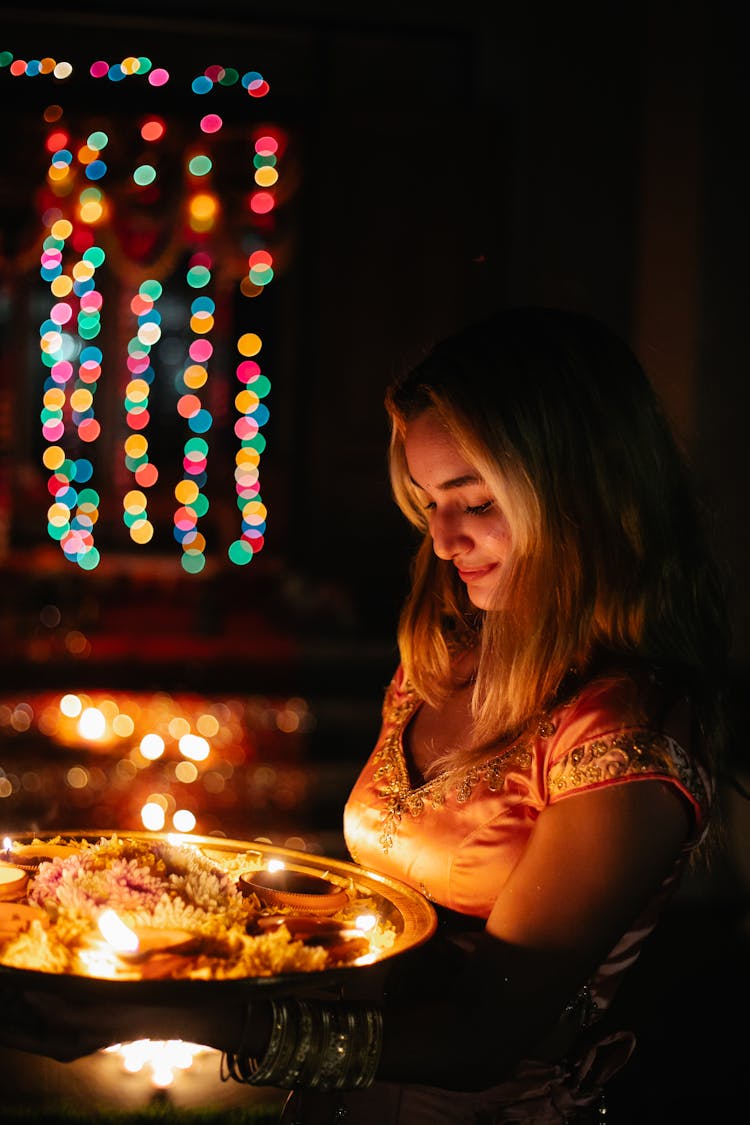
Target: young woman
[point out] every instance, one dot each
(550, 741)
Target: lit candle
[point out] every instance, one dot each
(135, 945)
(29, 856)
(117, 933)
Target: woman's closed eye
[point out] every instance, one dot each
(470, 510)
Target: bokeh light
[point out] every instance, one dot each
(81, 205)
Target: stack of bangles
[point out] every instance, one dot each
(328, 1046)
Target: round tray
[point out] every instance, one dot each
(413, 918)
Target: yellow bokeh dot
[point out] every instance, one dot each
(90, 213)
(203, 207)
(142, 531)
(178, 726)
(136, 445)
(247, 455)
(207, 725)
(81, 399)
(246, 402)
(134, 501)
(53, 457)
(195, 376)
(123, 725)
(58, 515)
(61, 228)
(186, 491)
(83, 270)
(266, 177)
(54, 398)
(249, 344)
(61, 286)
(137, 390)
(255, 508)
(201, 324)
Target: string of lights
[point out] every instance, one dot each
(86, 197)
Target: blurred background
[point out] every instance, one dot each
(200, 591)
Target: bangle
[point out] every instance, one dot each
(328, 1046)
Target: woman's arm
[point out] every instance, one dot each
(593, 862)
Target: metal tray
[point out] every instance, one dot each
(411, 915)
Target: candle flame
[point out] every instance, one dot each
(162, 1057)
(117, 933)
(7, 843)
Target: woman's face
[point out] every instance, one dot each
(466, 524)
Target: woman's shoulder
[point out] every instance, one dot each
(626, 722)
(624, 696)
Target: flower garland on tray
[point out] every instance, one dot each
(159, 887)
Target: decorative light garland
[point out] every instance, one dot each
(70, 259)
(74, 532)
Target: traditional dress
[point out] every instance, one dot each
(457, 837)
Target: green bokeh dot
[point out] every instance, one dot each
(193, 562)
(240, 552)
(200, 165)
(89, 560)
(95, 255)
(152, 289)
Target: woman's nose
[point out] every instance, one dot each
(448, 536)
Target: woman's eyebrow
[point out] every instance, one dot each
(454, 482)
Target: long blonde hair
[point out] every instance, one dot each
(608, 549)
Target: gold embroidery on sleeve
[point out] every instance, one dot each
(630, 754)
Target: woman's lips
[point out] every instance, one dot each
(474, 574)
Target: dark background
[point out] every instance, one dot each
(448, 158)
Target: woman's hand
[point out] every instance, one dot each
(46, 1023)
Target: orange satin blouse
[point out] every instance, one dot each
(457, 837)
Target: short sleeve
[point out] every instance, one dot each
(609, 737)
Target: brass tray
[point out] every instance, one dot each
(413, 919)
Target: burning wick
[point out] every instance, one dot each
(145, 943)
(117, 933)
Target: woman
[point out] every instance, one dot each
(550, 740)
